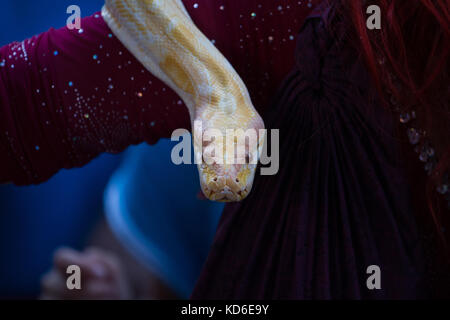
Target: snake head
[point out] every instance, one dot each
(227, 161)
(226, 183)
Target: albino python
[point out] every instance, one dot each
(162, 36)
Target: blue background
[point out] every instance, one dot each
(35, 220)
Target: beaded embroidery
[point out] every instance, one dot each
(418, 138)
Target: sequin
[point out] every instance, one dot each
(413, 136)
(405, 117)
(442, 189)
(423, 156)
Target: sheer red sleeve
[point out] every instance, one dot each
(68, 95)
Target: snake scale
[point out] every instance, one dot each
(162, 36)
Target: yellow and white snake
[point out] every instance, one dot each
(162, 36)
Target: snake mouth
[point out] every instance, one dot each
(232, 186)
(226, 195)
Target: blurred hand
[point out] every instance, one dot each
(102, 276)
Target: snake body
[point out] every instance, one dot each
(162, 36)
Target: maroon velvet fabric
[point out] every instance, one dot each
(67, 96)
(342, 200)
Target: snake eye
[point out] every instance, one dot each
(237, 180)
